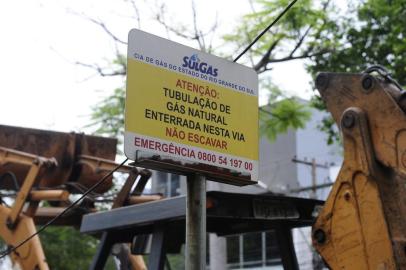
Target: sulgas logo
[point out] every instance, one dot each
(193, 62)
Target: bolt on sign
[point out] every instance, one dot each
(190, 107)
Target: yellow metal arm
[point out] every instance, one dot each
(363, 225)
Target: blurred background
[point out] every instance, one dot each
(63, 67)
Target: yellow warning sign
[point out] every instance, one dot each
(188, 105)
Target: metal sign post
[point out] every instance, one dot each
(196, 223)
(194, 110)
(191, 113)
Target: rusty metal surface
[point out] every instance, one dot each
(362, 224)
(72, 218)
(213, 173)
(22, 195)
(29, 256)
(49, 195)
(66, 148)
(46, 165)
(135, 262)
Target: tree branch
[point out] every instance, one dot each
(189, 34)
(270, 113)
(174, 30)
(108, 32)
(137, 13)
(199, 39)
(300, 42)
(104, 72)
(102, 25)
(266, 57)
(303, 56)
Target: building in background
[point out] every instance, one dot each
(166, 184)
(298, 163)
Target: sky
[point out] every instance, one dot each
(41, 40)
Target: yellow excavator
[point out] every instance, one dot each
(361, 226)
(363, 222)
(41, 169)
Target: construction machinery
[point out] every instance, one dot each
(43, 168)
(362, 225)
(40, 166)
(227, 214)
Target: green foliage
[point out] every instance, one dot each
(67, 249)
(108, 114)
(281, 112)
(327, 124)
(278, 117)
(177, 261)
(296, 36)
(374, 36)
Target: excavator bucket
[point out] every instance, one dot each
(66, 148)
(44, 165)
(362, 224)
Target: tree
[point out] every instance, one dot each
(294, 37)
(108, 114)
(67, 249)
(281, 112)
(375, 35)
